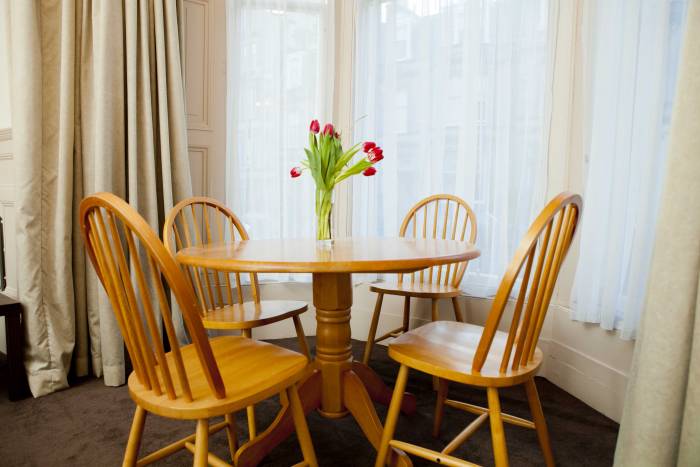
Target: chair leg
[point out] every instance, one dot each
(458, 311)
(302, 429)
(440, 405)
(302, 337)
(540, 424)
(250, 410)
(498, 436)
(406, 313)
(392, 417)
(435, 316)
(284, 400)
(373, 328)
(201, 444)
(231, 435)
(132, 446)
(252, 429)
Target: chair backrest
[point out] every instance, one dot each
(440, 216)
(133, 265)
(545, 246)
(199, 220)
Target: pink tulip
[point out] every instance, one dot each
(328, 129)
(375, 155)
(314, 127)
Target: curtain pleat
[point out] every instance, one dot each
(98, 105)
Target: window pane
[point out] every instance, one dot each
(634, 54)
(277, 75)
(455, 93)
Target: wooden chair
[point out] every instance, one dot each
(450, 217)
(484, 356)
(205, 379)
(205, 220)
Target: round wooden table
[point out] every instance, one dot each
(338, 385)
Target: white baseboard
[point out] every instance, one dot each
(590, 380)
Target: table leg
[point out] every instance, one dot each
(335, 389)
(358, 402)
(333, 299)
(342, 389)
(380, 392)
(253, 452)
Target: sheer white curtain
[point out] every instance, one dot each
(634, 56)
(457, 93)
(279, 69)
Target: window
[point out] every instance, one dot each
(277, 68)
(457, 92)
(635, 51)
(463, 112)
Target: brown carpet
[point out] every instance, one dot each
(89, 424)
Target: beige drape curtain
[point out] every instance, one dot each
(98, 105)
(661, 419)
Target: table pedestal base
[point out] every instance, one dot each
(356, 399)
(340, 386)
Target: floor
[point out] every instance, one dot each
(89, 423)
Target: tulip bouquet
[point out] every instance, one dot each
(330, 165)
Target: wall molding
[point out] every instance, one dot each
(201, 152)
(5, 134)
(196, 121)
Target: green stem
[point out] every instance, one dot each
(324, 207)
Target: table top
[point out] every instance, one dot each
(343, 256)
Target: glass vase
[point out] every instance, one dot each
(324, 208)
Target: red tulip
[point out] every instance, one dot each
(314, 127)
(375, 155)
(295, 172)
(336, 135)
(368, 146)
(369, 171)
(328, 129)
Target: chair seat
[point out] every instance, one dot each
(446, 349)
(251, 370)
(420, 290)
(250, 315)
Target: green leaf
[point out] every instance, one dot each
(346, 158)
(359, 167)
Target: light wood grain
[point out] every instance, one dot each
(251, 314)
(446, 349)
(335, 388)
(346, 255)
(487, 357)
(418, 290)
(196, 381)
(198, 220)
(457, 222)
(256, 370)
